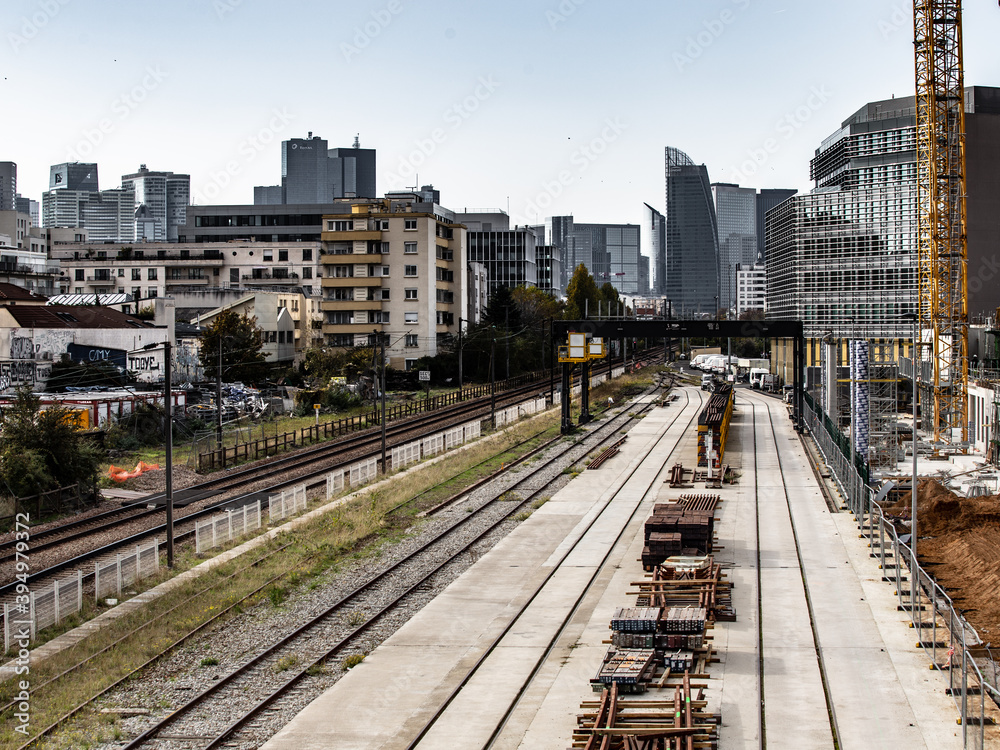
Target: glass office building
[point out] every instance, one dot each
(692, 241)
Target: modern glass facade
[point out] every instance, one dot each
(312, 173)
(508, 256)
(844, 255)
(736, 214)
(766, 200)
(692, 242)
(611, 252)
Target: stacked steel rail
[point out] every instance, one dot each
(713, 426)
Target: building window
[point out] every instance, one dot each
(410, 224)
(307, 273)
(342, 272)
(412, 340)
(79, 276)
(384, 295)
(151, 274)
(409, 270)
(121, 273)
(409, 248)
(136, 293)
(151, 292)
(282, 256)
(307, 254)
(410, 364)
(136, 274)
(410, 293)
(380, 317)
(79, 290)
(384, 248)
(268, 255)
(410, 317)
(382, 224)
(385, 270)
(234, 276)
(339, 226)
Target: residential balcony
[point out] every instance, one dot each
(333, 305)
(351, 281)
(352, 235)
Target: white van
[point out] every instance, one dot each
(707, 382)
(756, 374)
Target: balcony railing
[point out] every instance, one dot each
(269, 276)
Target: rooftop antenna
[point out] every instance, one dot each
(357, 141)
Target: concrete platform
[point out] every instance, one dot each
(818, 649)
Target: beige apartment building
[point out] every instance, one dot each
(395, 265)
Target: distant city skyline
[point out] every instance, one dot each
(575, 126)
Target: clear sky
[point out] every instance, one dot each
(546, 106)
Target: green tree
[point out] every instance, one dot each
(535, 306)
(42, 449)
(242, 344)
(609, 296)
(501, 310)
(582, 294)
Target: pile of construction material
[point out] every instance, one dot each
(713, 426)
(684, 527)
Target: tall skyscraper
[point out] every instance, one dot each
(692, 241)
(312, 173)
(161, 203)
(656, 230)
(8, 185)
(736, 216)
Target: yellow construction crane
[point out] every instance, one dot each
(942, 294)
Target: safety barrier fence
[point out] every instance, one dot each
(113, 576)
(37, 610)
(286, 503)
(942, 632)
(223, 528)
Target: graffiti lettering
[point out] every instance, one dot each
(143, 364)
(21, 347)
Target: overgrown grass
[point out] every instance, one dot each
(353, 660)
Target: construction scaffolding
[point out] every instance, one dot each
(883, 382)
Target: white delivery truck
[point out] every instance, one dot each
(756, 373)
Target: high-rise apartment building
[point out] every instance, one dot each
(751, 289)
(161, 203)
(692, 240)
(8, 186)
(736, 217)
(31, 208)
(395, 265)
(313, 173)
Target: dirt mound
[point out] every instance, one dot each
(958, 546)
(941, 511)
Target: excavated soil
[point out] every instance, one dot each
(959, 544)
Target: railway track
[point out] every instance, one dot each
(310, 466)
(442, 548)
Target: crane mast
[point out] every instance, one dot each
(942, 293)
